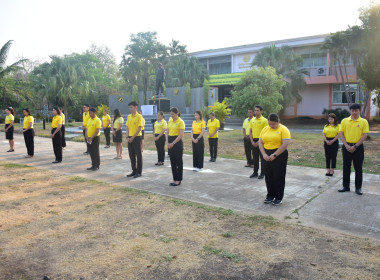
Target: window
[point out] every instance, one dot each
(340, 97)
(312, 57)
(220, 65)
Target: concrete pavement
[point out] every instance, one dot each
(310, 198)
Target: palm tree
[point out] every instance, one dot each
(286, 63)
(176, 49)
(5, 87)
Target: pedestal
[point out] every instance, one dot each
(162, 105)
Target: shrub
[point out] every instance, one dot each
(339, 112)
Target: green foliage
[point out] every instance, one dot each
(258, 86)
(188, 95)
(135, 93)
(221, 110)
(339, 112)
(206, 89)
(101, 108)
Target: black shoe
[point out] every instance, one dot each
(174, 184)
(276, 202)
(344, 189)
(10, 151)
(359, 191)
(261, 176)
(131, 175)
(214, 160)
(254, 175)
(85, 153)
(137, 175)
(211, 159)
(268, 200)
(90, 168)
(56, 161)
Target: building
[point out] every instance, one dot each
(323, 90)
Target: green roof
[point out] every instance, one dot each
(225, 79)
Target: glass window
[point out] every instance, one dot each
(340, 97)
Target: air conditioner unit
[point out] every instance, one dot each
(321, 71)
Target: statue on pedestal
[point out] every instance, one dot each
(160, 78)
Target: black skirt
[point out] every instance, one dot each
(119, 137)
(9, 133)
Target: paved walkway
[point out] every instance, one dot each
(310, 198)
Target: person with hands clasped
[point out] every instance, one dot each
(159, 130)
(92, 139)
(273, 142)
(248, 148)
(213, 126)
(55, 134)
(331, 143)
(197, 131)
(28, 131)
(9, 128)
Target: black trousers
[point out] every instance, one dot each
(159, 87)
(198, 152)
(357, 158)
(63, 132)
(213, 143)
(57, 144)
(9, 133)
(331, 152)
(84, 134)
(134, 150)
(255, 157)
(107, 132)
(93, 150)
(275, 172)
(29, 141)
(176, 161)
(160, 145)
(248, 148)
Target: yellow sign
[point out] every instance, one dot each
(176, 91)
(246, 58)
(120, 99)
(225, 79)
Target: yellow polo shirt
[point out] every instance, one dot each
(86, 117)
(246, 125)
(354, 130)
(105, 120)
(9, 118)
(57, 120)
(175, 126)
(272, 138)
(212, 126)
(198, 126)
(119, 121)
(331, 131)
(63, 118)
(133, 123)
(257, 124)
(92, 125)
(27, 121)
(159, 126)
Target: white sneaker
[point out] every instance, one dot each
(196, 169)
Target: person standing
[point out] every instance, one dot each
(248, 148)
(174, 135)
(331, 143)
(134, 127)
(257, 124)
(197, 131)
(117, 132)
(92, 139)
(353, 131)
(106, 122)
(56, 135)
(273, 141)
(63, 128)
(86, 117)
(28, 131)
(9, 128)
(159, 130)
(213, 126)
(142, 131)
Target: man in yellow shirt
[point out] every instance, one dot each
(63, 128)
(86, 117)
(248, 148)
(134, 127)
(257, 124)
(353, 131)
(93, 126)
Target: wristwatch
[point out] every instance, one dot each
(274, 154)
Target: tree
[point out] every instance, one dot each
(175, 48)
(260, 86)
(286, 63)
(141, 58)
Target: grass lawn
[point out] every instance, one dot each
(71, 227)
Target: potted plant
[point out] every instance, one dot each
(221, 111)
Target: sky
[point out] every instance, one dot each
(41, 28)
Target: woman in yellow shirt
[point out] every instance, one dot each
(9, 128)
(197, 131)
(174, 135)
(28, 131)
(331, 143)
(117, 132)
(106, 123)
(56, 135)
(213, 126)
(63, 128)
(273, 141)
(159, 130)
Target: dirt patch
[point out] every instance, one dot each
(70, 227)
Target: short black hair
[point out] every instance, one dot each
(273, 117)
(86, 105)
(132, 103)
(92, 110)
(355, 106)
(259, 106)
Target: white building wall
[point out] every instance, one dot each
(242, 62)
(314, 99)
